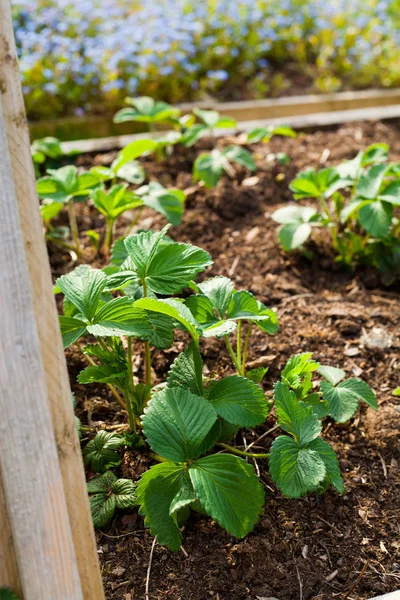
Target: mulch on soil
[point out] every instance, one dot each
(345, 547)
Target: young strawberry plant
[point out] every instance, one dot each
(357, 202)
(210, 120)
(264, 134)
(146, 110)
(221, 310)
(62, 187)
(107, 493)
(209, 166)
(151, 267)
(48, 151)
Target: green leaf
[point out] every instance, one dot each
(184, 498)
(120, 316)
(168, 202)
(294, 469)
(319, 406)
(50, 210)
(331, 374)
(125, 493)
(102, 484)
(101, 451)
(396, 392)
(102, 509)
(162, 335)
(156, 491)
(132, 172)
(174, 309)
(71, 329)
(202, 309)
(208, 167)
(187, 370)
(219, 329)
(376, 217)
(370, 182)
(99, 374)
(361, 389)
(145, 109)
(294, 235)
(176, 422)
(328, 455)
(166, 269)
(132, 151)
(83, 287)
(229, 491)
(48, 187)
(241, 156)
(256, 375)
(239, 401)
(193, 134)
(208, 117)
(374, 154)
(351, 209)
(115, 201)
(295, 417)
(343, 399)
(391, 193)
(219, 291)
(297, 367)
(294, 214)
(264, 134)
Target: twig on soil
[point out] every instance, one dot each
(116, 537)
(384, 467)
(357, 581)
(300, 584)
(185, 554)
(330, 525)
(262, 436)
(233, 267)
(149, 568)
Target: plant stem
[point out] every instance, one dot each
(74, 227)
(131, 416)
(242, 453)
(147, 355)
(135, 220)
(108, 237)
(245, 347)
(232, 354)
(239, 345)
(110, 387)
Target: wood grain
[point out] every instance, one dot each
(28, 228)
(9, 576)
(31, 477)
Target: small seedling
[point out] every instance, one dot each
(61, 187)
(107, 493)
(101, 452)
(48, 150)
(264, 134)
(357, 200)
(146, 110)
(221, 310)
(210, 120)
(209, 166)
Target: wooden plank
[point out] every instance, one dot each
(9, 576)
(297, 122)
(57, 383)
(69, 128)
(29, 466)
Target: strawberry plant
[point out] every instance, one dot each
(209, 166)
(48, 150)
(62, 187)
(146, 110)
(221, 310)
(107, 493)
(209, 121)
(357, 202)
(264, 134)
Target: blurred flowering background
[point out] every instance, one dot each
(84, 56)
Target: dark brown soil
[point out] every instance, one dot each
(345, 547)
